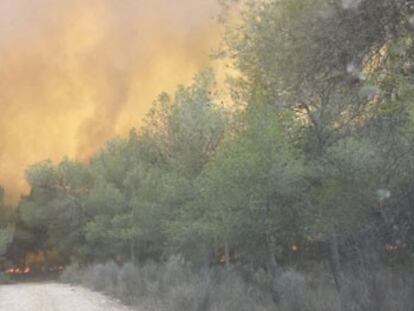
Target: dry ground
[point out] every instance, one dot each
(54, 297)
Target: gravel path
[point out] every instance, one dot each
(54, 297)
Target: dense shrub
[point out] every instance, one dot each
(72, 274)
(4, 278)
(377, 291)
(130, 285)
(291, 290)
(102, 277)
(175, 286)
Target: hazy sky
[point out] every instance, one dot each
(74, 73)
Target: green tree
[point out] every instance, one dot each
(6, 225)
(6, 237)
(55, 209)
(342, 70)
(249, 198)
(143, 181)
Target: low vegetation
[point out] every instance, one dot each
(176, 286)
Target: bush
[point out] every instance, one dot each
(175, 286)
(72, 274)
(377, 291)
(130, 286)
(231, 292)
(291, 290)
(102, 277)
(4, 278)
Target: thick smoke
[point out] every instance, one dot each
(74, 73)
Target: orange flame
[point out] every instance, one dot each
(18, 270)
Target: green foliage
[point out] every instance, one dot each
(175, 286)
(250, 194)
(6, 225)
(6, 237)
(141, 182)
(55, 208)
(321, 146)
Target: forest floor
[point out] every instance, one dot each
(54, 297)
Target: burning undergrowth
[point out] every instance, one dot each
(33, 264)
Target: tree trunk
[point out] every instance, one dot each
(132, 250)
(226, 254)
(271, 264)
(334, 260)
(45, 259)
(273, 270)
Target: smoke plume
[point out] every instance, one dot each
(74, 73)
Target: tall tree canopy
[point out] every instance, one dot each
(320, 151)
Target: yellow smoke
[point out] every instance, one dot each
(74, 73)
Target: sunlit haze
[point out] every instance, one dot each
(75, 73)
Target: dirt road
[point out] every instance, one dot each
(54, 297)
